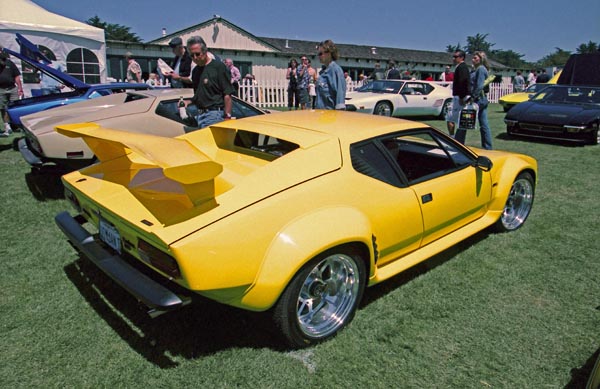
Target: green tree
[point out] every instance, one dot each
(478, 43)
(112, 31)
(452, 49)
(590, 47)
(509, 58)
(558, 58)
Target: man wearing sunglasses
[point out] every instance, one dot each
(212, 85)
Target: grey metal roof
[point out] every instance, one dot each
(296, 47)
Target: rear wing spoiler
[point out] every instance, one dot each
(179, 160)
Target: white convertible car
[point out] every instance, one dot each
(401, 98)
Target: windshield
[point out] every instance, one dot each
(569, 94)
(536, 88)
(381, 86)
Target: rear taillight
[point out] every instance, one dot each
(159, 259)
(74, 154)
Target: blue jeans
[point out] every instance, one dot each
(484, 129)
(209, 117)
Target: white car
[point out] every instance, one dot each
(401, 98)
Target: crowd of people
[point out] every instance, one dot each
(214, 81)
(309, 89)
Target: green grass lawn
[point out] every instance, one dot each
(516, 310)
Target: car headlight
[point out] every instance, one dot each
(510, 122)
(574, 128)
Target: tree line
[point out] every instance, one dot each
(513, 59)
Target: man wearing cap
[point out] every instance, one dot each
(181, 64)
(212, 85)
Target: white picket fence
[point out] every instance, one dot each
(273, 93)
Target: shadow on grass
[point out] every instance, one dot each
(516, 138)
(581, 375)
(378, 291)
(205, 327)
(45, 184)
(5, 147)
(201, 328)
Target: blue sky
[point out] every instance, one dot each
(532, 28)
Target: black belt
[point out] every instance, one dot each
(205, 110)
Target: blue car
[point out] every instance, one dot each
(80, 91)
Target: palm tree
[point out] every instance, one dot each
(590, 47)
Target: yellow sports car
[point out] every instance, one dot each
(510, 100)
(294, 213)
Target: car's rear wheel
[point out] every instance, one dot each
(518, 205)
(321, 298)
(383, 108)
(445, 109)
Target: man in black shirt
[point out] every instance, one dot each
(10, 89)
(461, 89)
(212, 85)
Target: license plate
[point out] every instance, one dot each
(110, 236)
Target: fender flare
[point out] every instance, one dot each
(505, 181)
(301, 240)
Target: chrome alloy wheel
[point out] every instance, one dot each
(328, 296)
(383, 108)
(519, 203)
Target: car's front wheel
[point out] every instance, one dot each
(518, 205)
(383, 108)
(321, 298)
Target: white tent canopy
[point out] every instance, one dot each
(63, 36)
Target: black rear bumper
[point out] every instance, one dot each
(151, 293)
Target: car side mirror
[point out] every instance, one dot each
(483, 163)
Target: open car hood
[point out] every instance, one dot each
(32, 56)
(581, 69)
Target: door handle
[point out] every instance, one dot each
(426, 198)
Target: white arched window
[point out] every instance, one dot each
(84, 65)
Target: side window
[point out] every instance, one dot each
(100, 93)
(240, 110)
(426, 89)
(369, 160)
(170, 109)
(422, 156)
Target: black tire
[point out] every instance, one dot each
(445, 109)
(595, 137)
(383, 108)
(518, 204)
(322, 298)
